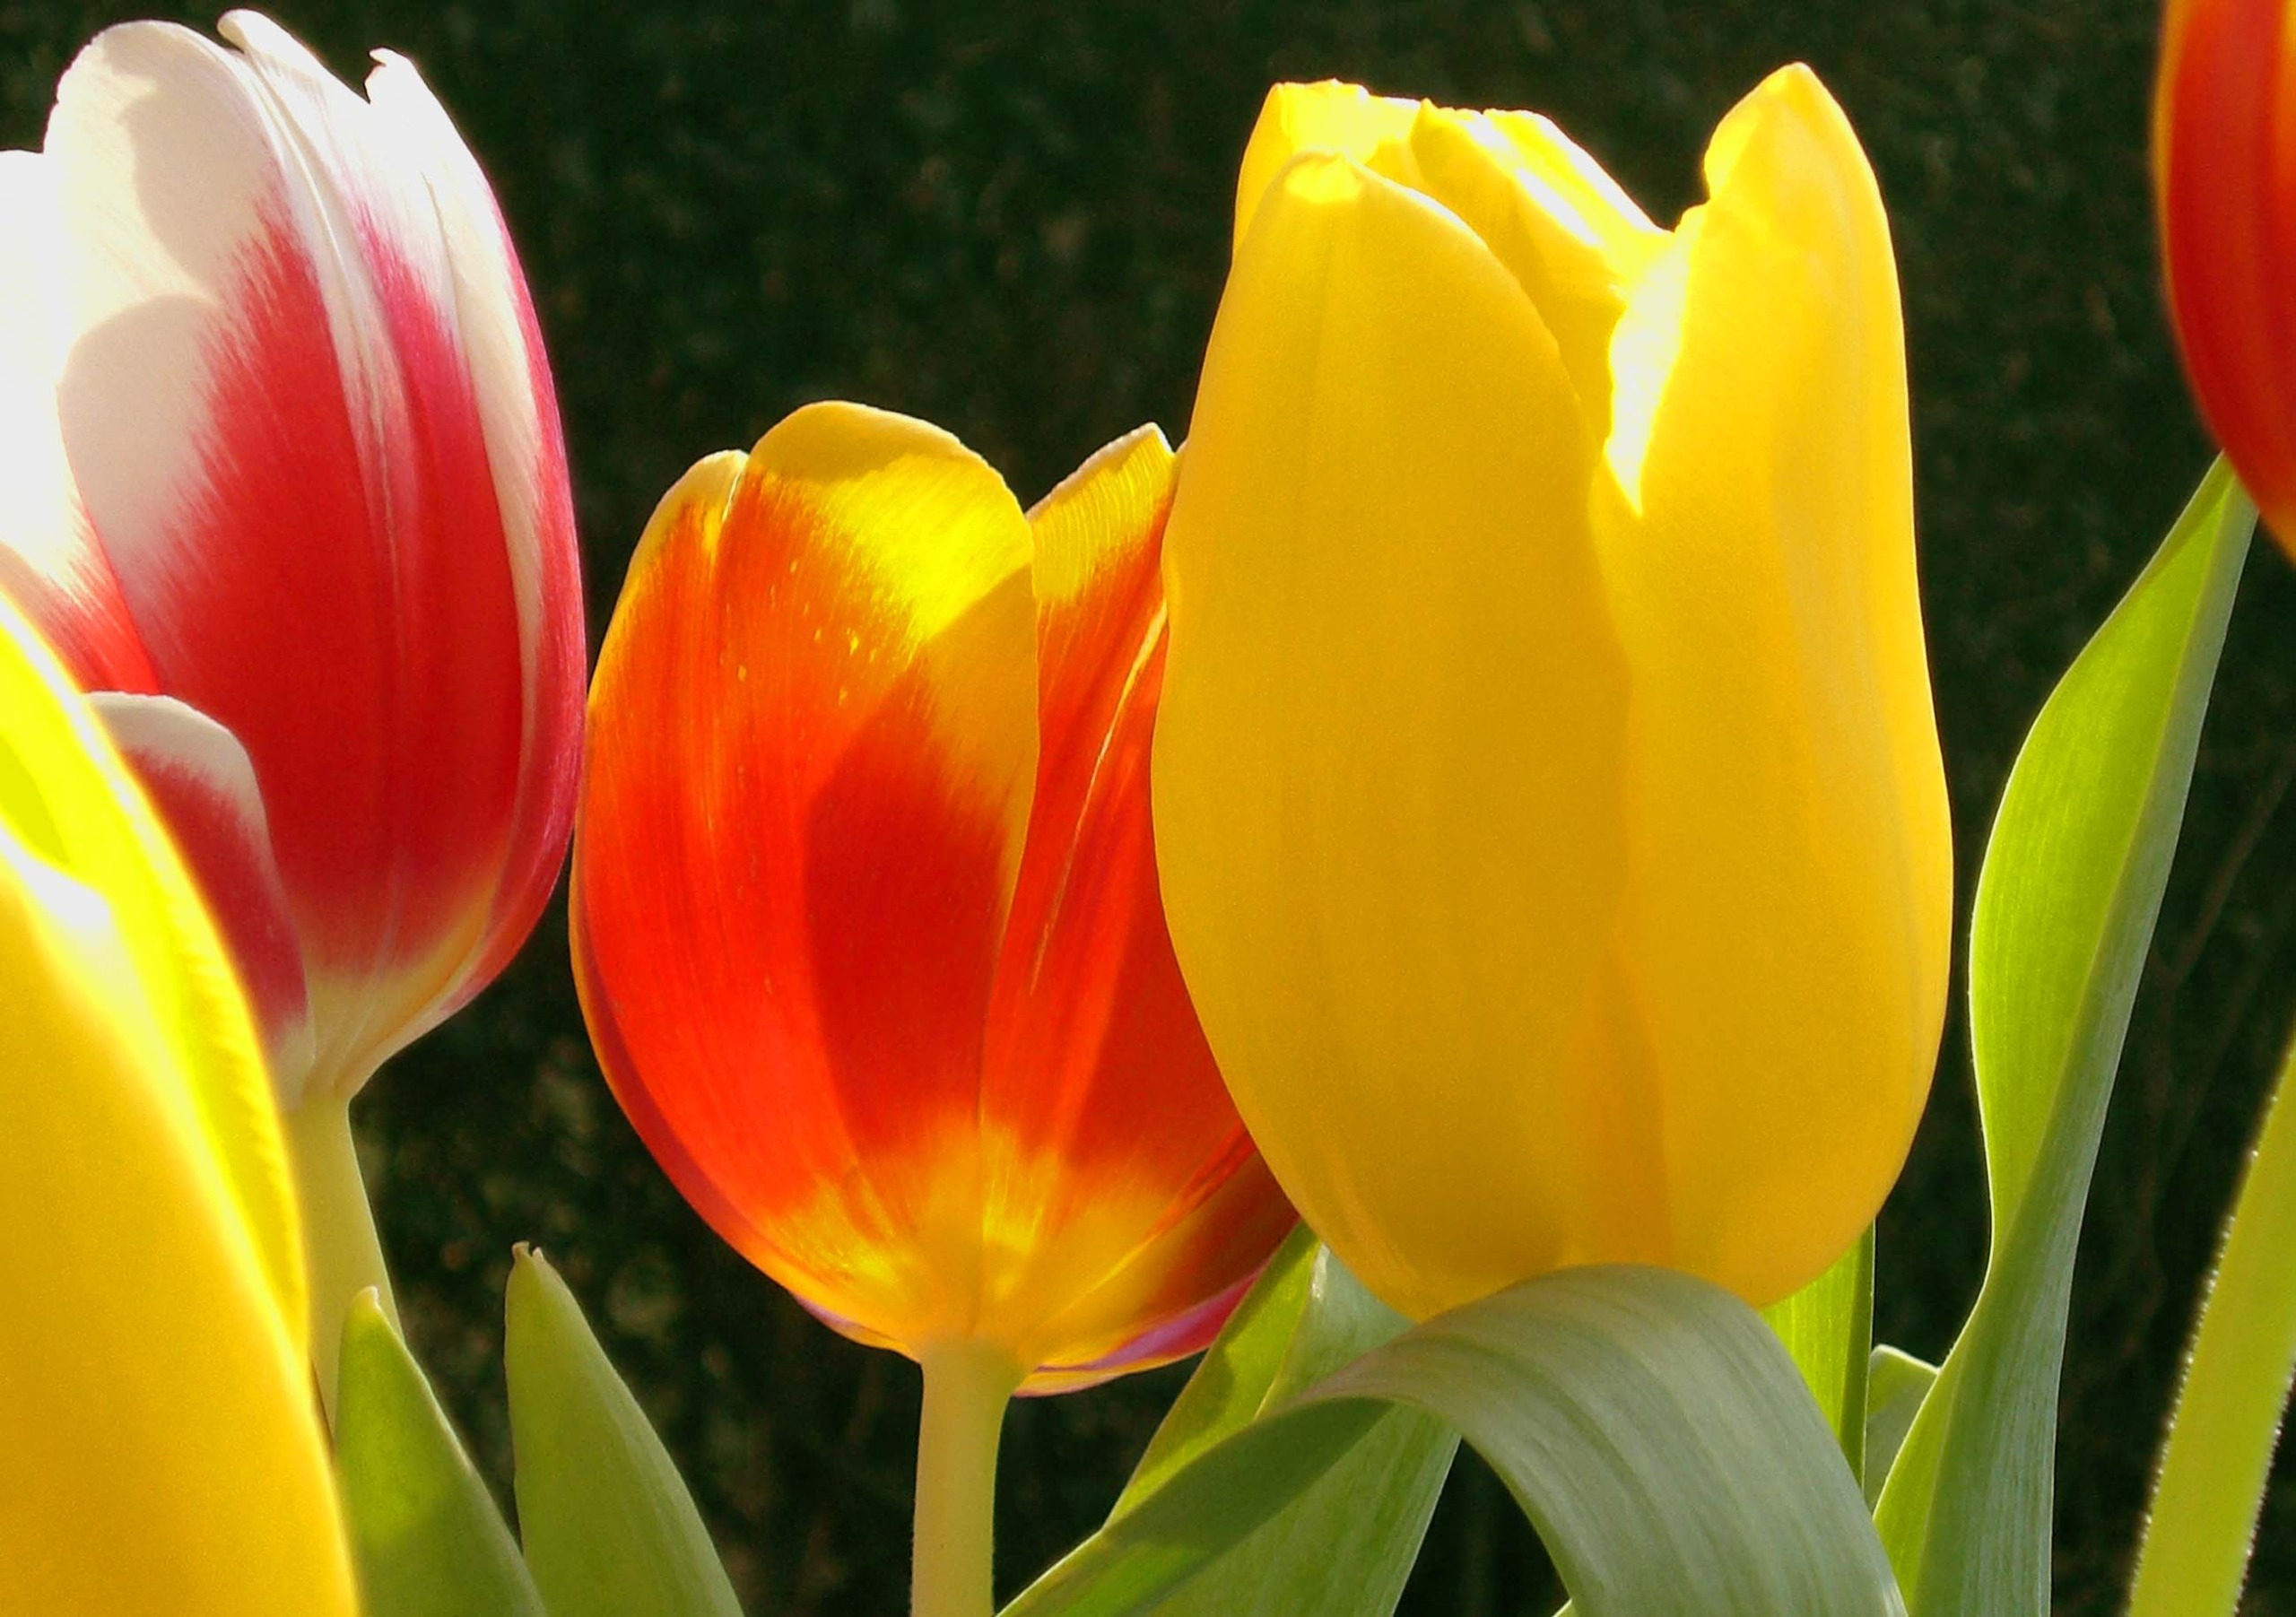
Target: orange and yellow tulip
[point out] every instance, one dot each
(2224, 165)
(865, 910)
(1548, 799)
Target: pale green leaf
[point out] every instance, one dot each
(424, 1533)
(2065, 909)
(1651, 1425)
(1345, 1545)
(608, 1528)
(1895, 1385)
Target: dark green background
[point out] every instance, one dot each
(1014, 220)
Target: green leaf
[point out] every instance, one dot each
(1895, 1385)
(424, 1533)
(2065, 910)
(1230, 1382)
(1650, 1424)
(610, 1529)
(1827, 1326)
(2218, 1456)
(1345, 1545)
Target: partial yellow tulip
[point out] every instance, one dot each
(160, 1451)
(1547, 796)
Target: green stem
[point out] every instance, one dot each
(967, 1385)
(2219, 1450)
(342, 1254)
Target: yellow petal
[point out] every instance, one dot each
(158, 1446)
(1789, 900)
(1576, 246)
(1574, 188)
(1387, 768)
(1345, 120)
(65, 795)
(932, 526)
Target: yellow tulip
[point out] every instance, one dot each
(158, 1446)
(1547, 796)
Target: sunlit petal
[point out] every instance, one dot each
(1391, 748)
(1789, 890)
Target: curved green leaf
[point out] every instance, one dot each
(1651, 1425)
(1231, 1381)
(2065, 909)
(424, 1531)
(610, 1529)
(1345, 1545)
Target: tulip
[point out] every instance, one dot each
(293, 494)
(2222, 114)
(1547, 796)
(159, 1451)
(865, 924)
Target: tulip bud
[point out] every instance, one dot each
(294, 490)
(157, 1447)
(1547, 796)
(865, 914)
(2223, 115)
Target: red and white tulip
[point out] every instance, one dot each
(286, 486)
(287, 480)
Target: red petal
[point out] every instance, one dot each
(2225, 136)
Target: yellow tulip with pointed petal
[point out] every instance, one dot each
(1548, 804)
(158, 1446)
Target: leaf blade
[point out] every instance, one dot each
(425, 1534)
(1827, 1326)
(1653, 1426)
(610, 1529)
(2217, 1458)
(2070, 889)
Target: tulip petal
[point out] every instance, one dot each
(157, 1444)
(1788, 896)
(1386, 613)
(812, 742)
(198, 777)
(500, 340)
(1345, 120)
(1121, 1184)
(61, 791)
(1577, 246)
(2224, 127)
(266, 348)
(49, 560)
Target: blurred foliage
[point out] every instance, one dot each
(1014, 220)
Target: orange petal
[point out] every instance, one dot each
(1122, 1188)
(812, 740)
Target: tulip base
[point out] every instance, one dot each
(967, 1386)
(342, 1254)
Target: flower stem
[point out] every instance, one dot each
(967, 1385)
(2214, 1466)
(342, 1254)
